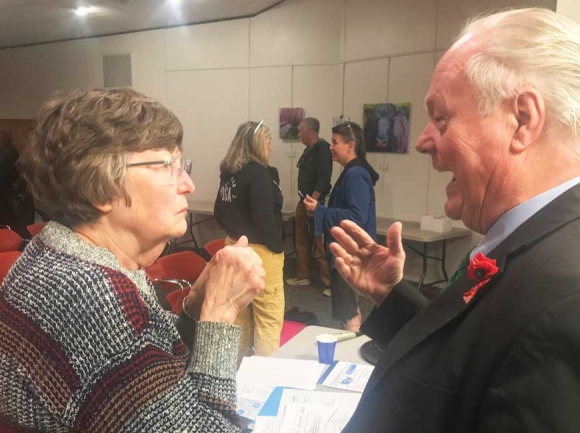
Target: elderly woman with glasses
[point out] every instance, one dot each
(84, 343)
(352, 198)
(249, 202)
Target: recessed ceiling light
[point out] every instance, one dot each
(83, 11)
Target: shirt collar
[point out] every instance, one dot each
(512, 219)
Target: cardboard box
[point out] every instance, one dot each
(440, 224)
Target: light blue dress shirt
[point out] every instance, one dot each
(512, 219)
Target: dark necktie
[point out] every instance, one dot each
(461, 270)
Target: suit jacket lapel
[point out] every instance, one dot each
(450, 303)
(443, 309)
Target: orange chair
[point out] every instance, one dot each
(34, 229)
(7, 259)
(214, 246)
(178, 269)
(9, 240)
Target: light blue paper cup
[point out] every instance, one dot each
(326, 348)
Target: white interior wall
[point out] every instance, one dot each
(276, 82)
(30, 75)
(453, 13)
(207, 46)
(204, 114)
(147, 51)
(376, 28)
(327, 56)
(570, 9)
(297, 32)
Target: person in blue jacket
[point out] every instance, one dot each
(352, 198)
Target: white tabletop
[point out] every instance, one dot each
(413, 232)
(303, 346)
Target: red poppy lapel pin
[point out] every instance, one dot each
(481, 268)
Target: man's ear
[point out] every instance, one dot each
(529, 112)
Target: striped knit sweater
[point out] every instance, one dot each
(85, 346)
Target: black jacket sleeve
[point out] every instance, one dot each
(268, 231)
(324, 169)
(395, 311)
(274, 174)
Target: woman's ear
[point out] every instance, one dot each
(104, 207)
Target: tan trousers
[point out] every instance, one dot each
(304, 239)
(262, 320)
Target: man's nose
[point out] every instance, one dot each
(425, 142)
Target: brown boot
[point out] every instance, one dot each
(353, 324)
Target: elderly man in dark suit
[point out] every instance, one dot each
(499, 350)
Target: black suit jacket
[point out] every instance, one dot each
(508, 361)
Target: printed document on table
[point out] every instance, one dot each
(306, 418)
(272, 416)
(248, 408)
(293, 373)
(252, 391)
(318, 398)
(251, 399)
(347, 376)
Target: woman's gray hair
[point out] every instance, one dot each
(77, 155)
(535, 47)
(249, 144)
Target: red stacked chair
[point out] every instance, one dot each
(177, 270)
(214, 246)
(34, 229)
(7, 259)
(9, 240)
(155, 272)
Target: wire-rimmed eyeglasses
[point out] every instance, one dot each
(177, 165)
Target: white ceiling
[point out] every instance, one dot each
(24, 22)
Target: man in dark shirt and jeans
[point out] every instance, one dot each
(314, 173)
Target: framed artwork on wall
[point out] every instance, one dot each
(290, 118)
(386, 127)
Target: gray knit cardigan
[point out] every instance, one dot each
(85, 346)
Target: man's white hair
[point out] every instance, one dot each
(535, 47)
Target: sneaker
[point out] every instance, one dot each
(327, 293)
(298, 281)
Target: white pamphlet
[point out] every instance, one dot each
(274, 417)
(347, 376)
(307, 418)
